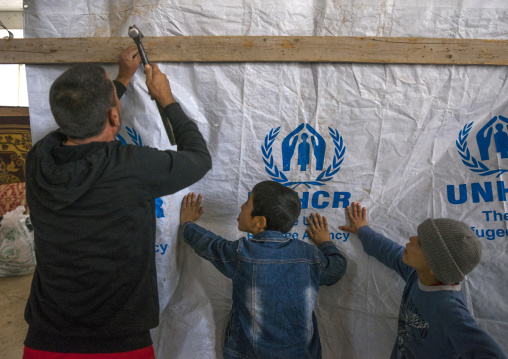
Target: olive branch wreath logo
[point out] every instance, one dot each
(467, 159)
(325, 176)
(135, 137)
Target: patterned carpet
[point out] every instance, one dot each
(15, 142)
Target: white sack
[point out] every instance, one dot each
(401, 132)
(17, 255)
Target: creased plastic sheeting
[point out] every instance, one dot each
(403, 134)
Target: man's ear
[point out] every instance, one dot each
(261, 222)
(114, 117)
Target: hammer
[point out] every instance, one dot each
(137, 35)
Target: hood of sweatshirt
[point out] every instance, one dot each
(58, 175)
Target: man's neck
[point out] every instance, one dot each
(107, 135)
(75, 142)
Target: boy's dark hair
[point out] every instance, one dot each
(80, 99)
(279, 204)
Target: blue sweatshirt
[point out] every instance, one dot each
(434, 322)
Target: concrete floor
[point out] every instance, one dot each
(13, 296)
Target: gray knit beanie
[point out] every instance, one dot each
(451, 248)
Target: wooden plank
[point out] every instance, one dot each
(13, 111)
(388, 50)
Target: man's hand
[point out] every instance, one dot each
(318, 231)
(357, 216)
(128, 62)
(158, 85)
(191, 208)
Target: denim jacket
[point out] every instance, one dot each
(275, 286)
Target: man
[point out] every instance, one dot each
(92, 204)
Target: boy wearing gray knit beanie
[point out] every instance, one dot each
(434, 321)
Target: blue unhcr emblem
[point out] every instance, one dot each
(290, 147)
(484, 139)
(133, 135)
(136, 138)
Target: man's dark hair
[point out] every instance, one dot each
(80, 99)
(279, 204)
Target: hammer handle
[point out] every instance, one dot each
(167, 124)
(141, 51)
(136, 36)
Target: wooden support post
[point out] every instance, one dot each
(387, 50)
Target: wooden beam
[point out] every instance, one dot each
(13, 111)
(387, 50)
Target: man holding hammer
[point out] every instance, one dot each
(92, 206)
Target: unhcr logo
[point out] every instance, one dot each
(489, 158)
(491, 139)
(301, 148)
(302, 153)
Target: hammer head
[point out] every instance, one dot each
(135, 33)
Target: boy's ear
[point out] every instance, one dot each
(261, 222)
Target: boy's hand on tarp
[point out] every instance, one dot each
(128, 63)
(318, 230)
(357, 216)
(158, 85)
(191, 208)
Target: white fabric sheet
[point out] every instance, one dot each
(400, 129)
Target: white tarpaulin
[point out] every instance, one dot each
(408, 141)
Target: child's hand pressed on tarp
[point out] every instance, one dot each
(191, 208)
(318, 228)
(357, 217)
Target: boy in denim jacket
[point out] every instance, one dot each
(275, 279)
